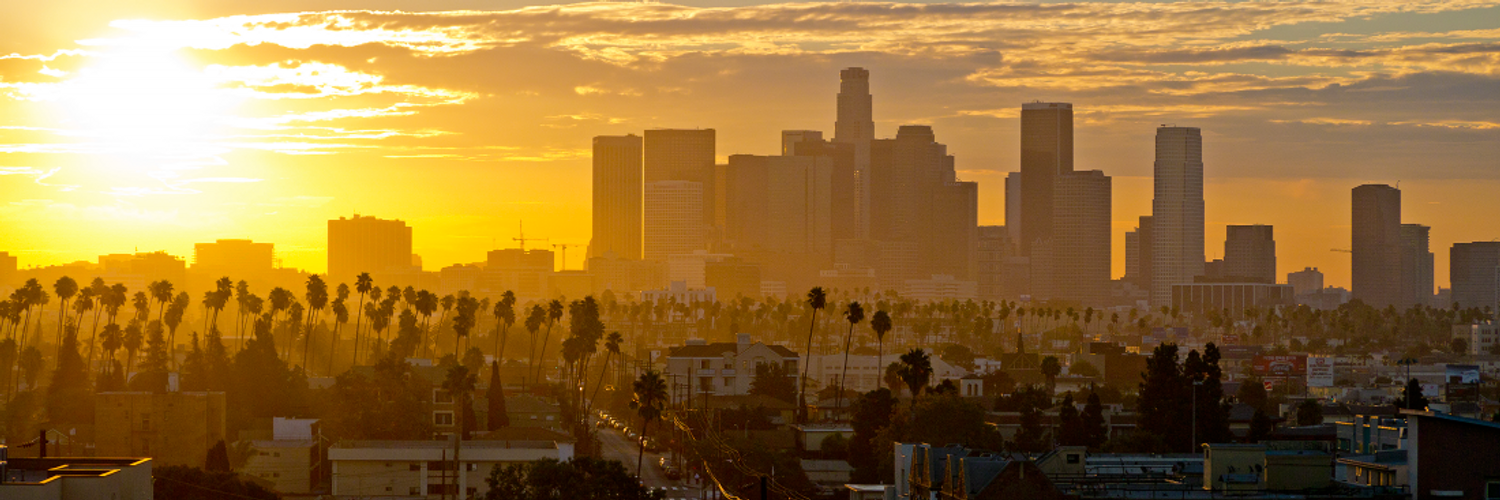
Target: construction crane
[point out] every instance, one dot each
(563, 251)
(523, 239)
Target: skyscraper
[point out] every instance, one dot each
(1138, 254)
(683, 155)
(1308, 280)
(367, 244)
(1250, 253)
(1376, 271)
(1013, 207)
(1473, 269)
(842, 191)
(1046, 152)
(1176, 211)
(617, 196)
(856, 125)
(780, 204)
(1080, 243)
(790, 139)
(1416, 266)
(673, 219)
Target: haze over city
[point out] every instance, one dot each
(736, 249)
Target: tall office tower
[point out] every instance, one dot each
(790, 139)
(1309, 279)
(1416, 266)
(1376, 272)
(1138, 254)
(842, 194)
(617, 196)
(780, 204)
(994, 248)
(1046, 152)
(1176, 211)
(1080, 243)
(673, 219)
(1473, 269)
(8, 269)
(683, 155)
(856, 125)
(233, 258)
(367, 245)
(1250, 253)
(952, 231)
(1013, 207)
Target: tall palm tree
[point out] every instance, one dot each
(554, 313)
(816, 299)
(881, 323)
(505, 316)
(426, 303)
(363, 284)
(340, 318)
(1051, 368)
(111, 339)
(464, 321)
(132, 343)
(611, 350)
(855, 314)
(459, 383)
(447, 303)
(915, 372)
(173, 319)
(84, 304)
(161, 292)
(649, 401)
(534, 322)
(65, 288)
(241, 311)
(317, 299)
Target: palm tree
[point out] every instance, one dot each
(173, 319)
(855, 314)
(85, 303)
(364, 284)
(505, 316)
(317, 299)
(534, 322)
(161, 292)
(650, 399)
(132, 343)
(111, 341)
(611, 350)
(464, 321)
(554, 313)
(340, 318)
(65, 288)
(816, 299)
(447, 303)
(460, 385)
(881, 323)
(915, 372)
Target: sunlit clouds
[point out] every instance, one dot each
(201, 123)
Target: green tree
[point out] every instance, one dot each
(1083, 368)
(1411, 396)
(218, 458)
(871, 416)
(65, 288)
(855, 314)
(1071, 431)
(69, 399)
(1096, 429)
(649, 401)
(582, 478)
(881, 324)
(499, 417)
(774, 380)
(915, 372)
(153, 376)
(459, 383)
(1051, 368)
(390, 405)
(1309, 412)
(1252, 392)
(1164, 404)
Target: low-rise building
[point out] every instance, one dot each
(723, 368)
(428, 469)
(1481, 338)
(173, 428)
(289, 466)
(74, 478)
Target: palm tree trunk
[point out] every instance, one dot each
(839, 398)
(645, 424)
(543, 353)
(802, 383)
(333, 345)
(599, 385)
(359, 315)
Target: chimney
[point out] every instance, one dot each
(743, 340)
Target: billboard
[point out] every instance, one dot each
(1280, 366)
(1319, 371)
(1461, 383)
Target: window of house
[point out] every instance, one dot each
(549, 418)
(1073, 458)
(705, 383)
(412, 491)
(471, 467)
(703, 365)
(1492, 490)
(727, 382)
(442, 418)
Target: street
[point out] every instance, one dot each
(615, 446)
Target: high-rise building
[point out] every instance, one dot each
(7, 269)
(791, 138)
(994, 248)
(524, 272)
(1309, 279)
(683, 155)
(856, 125)
(1250, 253)
(367, 245)
(618, 190)
(1416, 266)
(1176, 211)
(1046, 152)
(953, 231)
(1013, 207)
(673, 219)
(916, 198)
(780, 204)
(842, 194)
(233, 256)
(1080, 243)
(1138, 254)
(1474, 271)
(1376, 272)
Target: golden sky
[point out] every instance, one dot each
(158, 124)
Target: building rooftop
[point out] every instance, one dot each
(719, 349)
(440, 445)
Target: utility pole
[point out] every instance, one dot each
(1196, 383)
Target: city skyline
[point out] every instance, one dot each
(256, 189)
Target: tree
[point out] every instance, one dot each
(218, 458)
(871, 415)
(154, 369)
(1024, 399)
(649, 401)
(390, 405)
(1070, 426)
(1031, 436)
(881, 324)
(505, 316)
(1051, 367)
(855, 314)
(363, 284)
(177, 482)
(1083, 368)
(611, 351)
(459, 384)
(1096, 429)
(817, 300)
(774, 380)
(582, 478)
(947, 418)
(1309, 412)
(1411, 396)
(534, 321)
(68, 397)
(499, 417)
(1164, 404)
(554, 313)
(915, 372)
(1252, 392)
(65, 288)
(1260, 426)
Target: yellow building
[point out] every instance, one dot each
(426, 469)
(175, 428)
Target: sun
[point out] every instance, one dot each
(144, 100)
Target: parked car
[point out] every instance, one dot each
(672, 473)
